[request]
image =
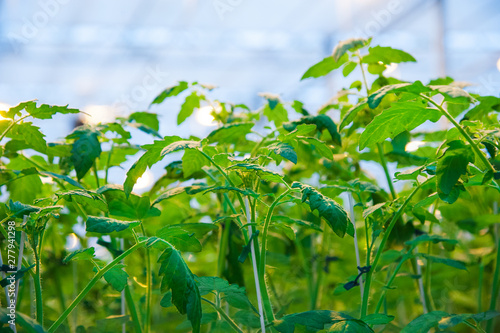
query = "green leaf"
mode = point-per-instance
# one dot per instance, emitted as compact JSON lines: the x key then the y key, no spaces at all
{"x":28,"y":324}
{"x":132,"y":207}
{"x":230,"y":133}
{"x":179,"y":145}
{"x":170,"y":91}
{"x":106,"y":225}
{"x":332,"y":212}
{"x":322,"y":122}
{"x":181,"y":239}
{"x":387,"y":55}
{"x":31,"y":135}
{"x":378,"y":319}
{"x":233,"y":294}
{"x":152,"y":155}
{"x":351,"y":114}
{"x":452,"y":165}
{"x":324,"y":67}
{"x":18,"y":209}
{"x":430,"y":238}
{"x":17,"y":276}
{"x":398,"y":118}
{"x":321,"y":147}
{"x":284,"y":150}
{"x":84,"y":197}
{"x":146,"y":118}
{"x":192,"y":102}
{"x":117,"y":277}
{"x":277,"y":115}
{"x":350,"y":326}
{"x":84,"y":254}
{"x":262,"y":172}
{"x":192,"y":161}
{"x":313,"y":321}
{"x":453,"y":92}
{"x":85,"y":149}
{"x":193,"y":189}
{"x":177,"y":277}
{"x":425,"y":322}
{"x":416,"y":88}
{"x":67,"y":179}
{"x":449,"y":262}
{"x":352,"y":45}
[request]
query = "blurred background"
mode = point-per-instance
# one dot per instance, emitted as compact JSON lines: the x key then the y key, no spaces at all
{"x":113,"y":57}
{"x":123,"y":53}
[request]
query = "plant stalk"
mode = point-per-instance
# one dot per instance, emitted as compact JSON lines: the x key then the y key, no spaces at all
{"x":147,"y":321}
{"x":366,"y":293}
{"x":132,"y":309}
{"x":255,"y":269}
{"x":496,"y":276}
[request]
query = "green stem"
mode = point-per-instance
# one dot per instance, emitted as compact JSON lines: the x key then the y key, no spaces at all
{"x":38,"y":290}
{"x":91,"y":284}
{"x":94,"y":167}
{"x":390,"y":281}
{"x":383,"y":162}
{"x":495,"y":287}
{"x":12,"y":125}
{"x":224,"y":315}
{"x":267,"y":223}
{"x":147,"y":320}
{"x":366,"y":293}
{"x":223,"y":244}
{"x":480,"y":288}
{"x":132,"y":309}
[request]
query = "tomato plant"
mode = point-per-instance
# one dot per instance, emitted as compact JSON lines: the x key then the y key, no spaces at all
{"x":274,"y":222}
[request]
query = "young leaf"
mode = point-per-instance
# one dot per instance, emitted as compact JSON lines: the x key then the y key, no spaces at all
{"x":416,"y":88}
{"x":231,"y":293}
{"x":170,"y":91}
{"x":84,"y":254}
{"x":332,"y":212}
{"x":449,"y":262}
{"x":86,"y":149}
{"x":398,"y":118}
{"x":152,"y":155}
{"x":177,"y":277}
{"x":313,"y":321}
{"x":84,"y":197}
{"x":230,"y":133}
{"x":106,"y":225}
{"x":322,"y":122}
{"x":284,"y":150}
{"x":324,"y":67}
{"x":180,"y":239}
{"x":452,"y":165}
{"x":146,"y":118}
{"x":179,"y":145}
{"x":348,"y":45}
{"x":192,"y":102}
{"x":387,"y":55}
{"x":263,"y":173}
{"x":117,"y":277}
